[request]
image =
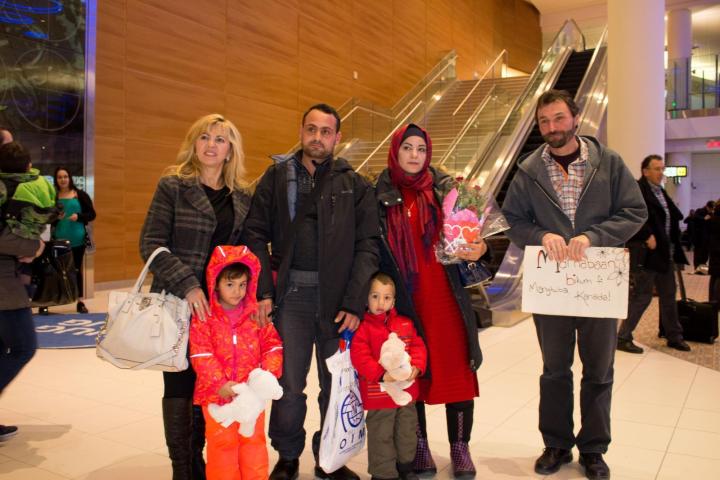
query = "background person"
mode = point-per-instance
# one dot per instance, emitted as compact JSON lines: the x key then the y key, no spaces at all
{"x":198,"y":204}
{"x":77,"y":212}
{"x":714,"y":262}
{"x":655,"y":250}
{"x":18,"y":340}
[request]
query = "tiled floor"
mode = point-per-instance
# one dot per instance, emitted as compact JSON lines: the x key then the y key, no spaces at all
{"x":81,"y":418}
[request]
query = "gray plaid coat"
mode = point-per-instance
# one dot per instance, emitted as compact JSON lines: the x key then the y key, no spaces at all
{"x":182,"y":219}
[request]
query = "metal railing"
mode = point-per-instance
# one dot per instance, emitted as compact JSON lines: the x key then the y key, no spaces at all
{"x":693,"y":83}
{"x":489,"y":73}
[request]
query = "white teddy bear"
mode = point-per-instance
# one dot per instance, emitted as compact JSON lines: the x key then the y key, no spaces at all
{"x":249,"y":402}
{"x":396,"y":361}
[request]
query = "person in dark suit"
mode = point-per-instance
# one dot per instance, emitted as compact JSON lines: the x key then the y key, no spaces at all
{"x":701,"y":221}
{"x":654,"y":252}
{"x":199,"y":203}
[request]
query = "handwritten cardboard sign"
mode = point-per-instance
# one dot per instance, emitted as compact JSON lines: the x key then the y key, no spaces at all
{"x":594,"y":287}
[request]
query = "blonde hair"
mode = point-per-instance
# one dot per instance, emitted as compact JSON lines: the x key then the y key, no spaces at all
{"x":188,"y":166}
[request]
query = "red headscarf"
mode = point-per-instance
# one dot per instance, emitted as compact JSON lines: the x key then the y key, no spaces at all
{"x":399,"y":232}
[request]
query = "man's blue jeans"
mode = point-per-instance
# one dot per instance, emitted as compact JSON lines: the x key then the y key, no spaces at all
{"x":18,"y":343}
{"x":301,"y":328}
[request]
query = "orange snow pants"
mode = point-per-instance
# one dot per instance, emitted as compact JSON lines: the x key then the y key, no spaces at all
{"x":230,"y":456}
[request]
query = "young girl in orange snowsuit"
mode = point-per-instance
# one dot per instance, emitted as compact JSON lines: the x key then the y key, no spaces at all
{"x":223,"y":351}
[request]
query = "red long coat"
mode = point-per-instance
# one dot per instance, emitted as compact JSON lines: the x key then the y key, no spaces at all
{"x":228,"y":347}
{"x":365,"y":352}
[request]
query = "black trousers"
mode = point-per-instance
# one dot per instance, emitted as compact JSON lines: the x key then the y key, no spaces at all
{"x":596,"y":341}
{"x":641,"y":289}
{"x":78,"y":255}
{"x":18,"y":343}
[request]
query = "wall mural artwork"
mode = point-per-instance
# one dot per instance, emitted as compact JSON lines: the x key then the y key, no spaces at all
{"x":42,"y":79}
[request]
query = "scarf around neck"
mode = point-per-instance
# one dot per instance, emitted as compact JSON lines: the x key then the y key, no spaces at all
{"x":399,"y":230}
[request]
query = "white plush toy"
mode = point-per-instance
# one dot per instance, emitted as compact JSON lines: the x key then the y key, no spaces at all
{"x":396,"y":361}
{"x":249,"y":402}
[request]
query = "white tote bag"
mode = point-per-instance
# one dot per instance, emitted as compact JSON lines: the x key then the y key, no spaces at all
{"x":145,"y":330}
{"x":343,"y":433}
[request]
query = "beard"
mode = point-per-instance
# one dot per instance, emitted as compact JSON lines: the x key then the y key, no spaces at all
{"x":559,"y":139}
{"x":317,"y":150}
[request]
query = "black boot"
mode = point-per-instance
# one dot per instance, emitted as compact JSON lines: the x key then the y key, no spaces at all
{"x":197,"y":443}
{"x":459,"y":421}
{"x":177,"y":419}
{"x":406,"y":471}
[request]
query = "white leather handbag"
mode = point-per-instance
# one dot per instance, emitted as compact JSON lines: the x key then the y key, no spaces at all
{"x":145,"y":330}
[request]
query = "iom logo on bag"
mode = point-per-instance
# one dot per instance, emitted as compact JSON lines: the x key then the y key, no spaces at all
{"x":351,"y":411}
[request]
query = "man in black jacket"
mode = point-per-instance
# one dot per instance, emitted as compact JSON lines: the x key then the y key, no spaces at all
{"x":320,"y":220}
{"x":654,"y":251}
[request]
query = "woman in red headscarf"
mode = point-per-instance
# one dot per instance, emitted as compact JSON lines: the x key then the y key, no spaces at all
{"x":410,"y":193}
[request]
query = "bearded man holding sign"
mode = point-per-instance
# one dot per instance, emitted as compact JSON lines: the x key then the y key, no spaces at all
{"x":569,"y":194}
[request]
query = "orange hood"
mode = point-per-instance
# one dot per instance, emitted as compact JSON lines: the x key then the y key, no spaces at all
{"x":225,"y":255}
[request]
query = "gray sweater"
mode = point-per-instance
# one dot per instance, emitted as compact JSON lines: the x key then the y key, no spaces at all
{"x":610,"y":208}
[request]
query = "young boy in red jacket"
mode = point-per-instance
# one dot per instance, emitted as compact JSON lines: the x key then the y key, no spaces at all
{"x":224,"y":349}
{"x":391,"y":429}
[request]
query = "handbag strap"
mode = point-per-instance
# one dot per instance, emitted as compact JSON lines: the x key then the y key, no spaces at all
{"x":140,"y":366}
{"x":146,"y":268}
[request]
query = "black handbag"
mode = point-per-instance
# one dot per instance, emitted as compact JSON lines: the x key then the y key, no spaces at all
{"x":54,"y":276}
{"x":473,"y":273}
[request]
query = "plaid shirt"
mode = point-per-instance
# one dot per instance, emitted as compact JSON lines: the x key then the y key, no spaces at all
{"x":568,"y":185}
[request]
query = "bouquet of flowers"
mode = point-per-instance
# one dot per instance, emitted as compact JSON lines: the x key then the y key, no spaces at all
{"x":468,"y":215}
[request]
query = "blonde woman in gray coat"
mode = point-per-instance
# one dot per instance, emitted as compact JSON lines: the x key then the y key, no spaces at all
{"x":199,"y":203}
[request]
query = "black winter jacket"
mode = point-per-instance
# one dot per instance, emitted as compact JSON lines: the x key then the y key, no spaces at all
{"x":388,"y":196}
{"x":713,"y":237}
{"x":348,"y":232}
{"x":657,"y":260}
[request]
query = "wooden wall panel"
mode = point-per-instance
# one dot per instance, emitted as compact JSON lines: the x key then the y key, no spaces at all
{"x":161,"y":65}
{"x":185,"y":43}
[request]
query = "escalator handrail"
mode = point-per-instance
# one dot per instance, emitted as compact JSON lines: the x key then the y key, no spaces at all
{"x":586,"y":85}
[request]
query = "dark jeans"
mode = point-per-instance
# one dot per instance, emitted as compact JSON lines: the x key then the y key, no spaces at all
{"x":641,"y":289}
{"x":18,"y":343}
{"x":596,"y":341}
{"x":300,"y":328}
{"x":701,"y":254}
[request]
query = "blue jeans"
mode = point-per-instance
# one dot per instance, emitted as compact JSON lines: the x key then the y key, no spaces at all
{"x":18,"y":343}
{"x":300,"y":327}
